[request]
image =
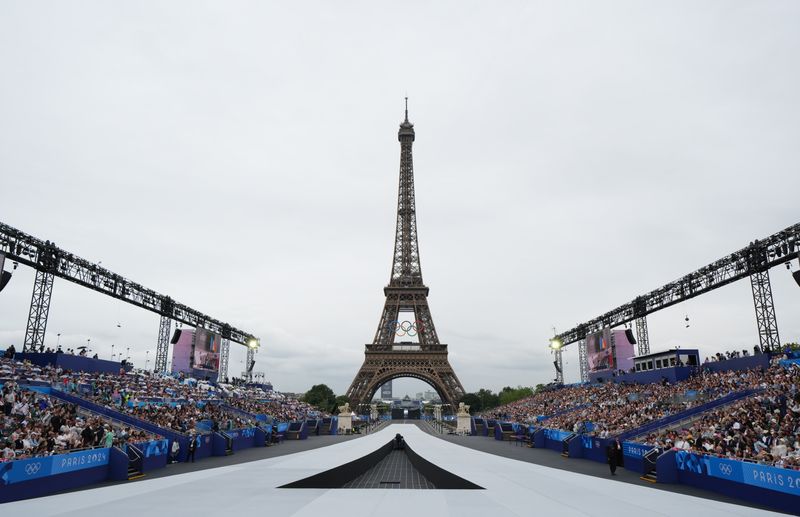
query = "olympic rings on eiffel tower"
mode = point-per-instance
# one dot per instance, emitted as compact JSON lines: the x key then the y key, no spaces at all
{"x":405,"y":328}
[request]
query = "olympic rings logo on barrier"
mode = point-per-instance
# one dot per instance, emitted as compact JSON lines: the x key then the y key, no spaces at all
{"x":32,"y":468}
{"x":405,"y":328}
{"x":725,"y":469}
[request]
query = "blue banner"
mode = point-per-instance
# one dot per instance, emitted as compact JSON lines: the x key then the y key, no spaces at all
{"x":25,"y":470}
{"x":556,"y":434}
{"x":771,"y":478}
{"x":691,"y":462}
{"x":635,"y":450}
{"x":153,"y":448}
{"x":762,"y":476}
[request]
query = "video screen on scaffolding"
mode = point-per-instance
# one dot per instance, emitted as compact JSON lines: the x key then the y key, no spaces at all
{"x":207,"y":346}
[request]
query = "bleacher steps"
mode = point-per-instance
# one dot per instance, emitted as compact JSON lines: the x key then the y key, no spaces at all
{"x":650,"y":477}
{"x":134,"y":474}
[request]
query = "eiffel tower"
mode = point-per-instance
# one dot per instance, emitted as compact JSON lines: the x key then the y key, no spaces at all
{"x":424,"y":357}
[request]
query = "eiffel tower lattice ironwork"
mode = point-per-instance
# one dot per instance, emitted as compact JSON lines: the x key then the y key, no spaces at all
{"x":425,"y":358}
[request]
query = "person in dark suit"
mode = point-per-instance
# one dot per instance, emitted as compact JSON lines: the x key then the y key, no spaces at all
{"x":612,"y":453}
{"x":192,"y":446}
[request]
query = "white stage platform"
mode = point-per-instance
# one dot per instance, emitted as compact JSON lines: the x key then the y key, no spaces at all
{"x":512,"y":488}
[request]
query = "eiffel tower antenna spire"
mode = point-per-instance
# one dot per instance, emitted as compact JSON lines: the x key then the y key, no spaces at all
{"x":406,"y":108}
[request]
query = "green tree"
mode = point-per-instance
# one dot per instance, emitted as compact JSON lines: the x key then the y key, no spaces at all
{"x":509,"y":394}
{"x":488,"y":399}
{"x":321,"y":396}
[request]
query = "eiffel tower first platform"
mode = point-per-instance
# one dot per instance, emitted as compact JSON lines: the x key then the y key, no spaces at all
{"x":406,"y":343}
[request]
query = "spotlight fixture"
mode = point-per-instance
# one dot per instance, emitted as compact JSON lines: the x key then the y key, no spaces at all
{"x":556,"y":343}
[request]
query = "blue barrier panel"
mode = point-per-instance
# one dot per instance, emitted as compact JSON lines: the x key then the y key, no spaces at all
{"x":242,"y":438}
{"x":594,"y":448}
{"x":260,"y":438}
{"x":205,"y":446}
{"x":154,"y":454}
{"x":335,"y":425}
{"x":75,"y":363}
{"x":667,"y":472}
{"x":767,"y":485}
{"x":633,"y":454}
{"x":21,"y":479}
{"x":575,"y":447}
{"x":539,"y":439}
{"x":738,"y":363}
{"x":554,"y":439}
{"x":117,"y":465}
{"x":219,"y":444}
{"x":21,"y":471}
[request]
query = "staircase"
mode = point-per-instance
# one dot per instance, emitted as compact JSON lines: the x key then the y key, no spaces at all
{"x":650,"y":475}
{"x":565,"y":445}
{"x":134,"y":463}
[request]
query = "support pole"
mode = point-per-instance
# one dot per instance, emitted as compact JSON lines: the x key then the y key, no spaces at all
{"x":251,"y":359}
{"x":583,"y":359}
{"x":224,"y":355}
{"x":559,"y":366}
{"x":642,"y":336}
{"x":40,"y":308}
{"x":765,"y":311}
{"x":162,"y":348}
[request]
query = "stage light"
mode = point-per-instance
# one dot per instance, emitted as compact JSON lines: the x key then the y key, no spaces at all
{"x":556,"y":343}
{"x":252,"y":343}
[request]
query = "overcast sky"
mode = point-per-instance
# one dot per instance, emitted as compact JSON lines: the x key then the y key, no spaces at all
{"x":242,"y":157}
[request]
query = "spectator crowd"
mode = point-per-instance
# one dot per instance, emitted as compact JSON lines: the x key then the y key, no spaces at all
{"x":764,"y":426}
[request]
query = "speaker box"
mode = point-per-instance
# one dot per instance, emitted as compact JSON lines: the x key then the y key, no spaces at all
{"x":555,"y":363}
{"x":796,"y":275}
{"x":176,"y":336}
{"x":5,"y":276}
{"x":629,"y":335}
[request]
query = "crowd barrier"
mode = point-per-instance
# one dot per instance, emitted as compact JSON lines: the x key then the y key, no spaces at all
{"x":71,"y":362}
{"x":37,"y":477}
{"x":762,"y":484}
{"x":672,"y":375}
{"x":738,"y":363}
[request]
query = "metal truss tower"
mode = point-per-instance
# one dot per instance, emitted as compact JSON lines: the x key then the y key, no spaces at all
{"x":251,"y":360}
{"x":40,"y":308}
{"x":224,"y":355}
{"x":765,"y":311}
{"x":162,"y":347}
{"x":583,"y":361}
{"x":425,"y":359}
{"x":642,"y":336}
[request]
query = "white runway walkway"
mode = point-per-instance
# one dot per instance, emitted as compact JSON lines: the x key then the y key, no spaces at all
{"x":513,"y":488}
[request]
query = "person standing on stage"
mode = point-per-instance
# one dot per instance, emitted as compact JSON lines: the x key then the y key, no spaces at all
{"x":192,"y":446}
{"x":612,"y":452}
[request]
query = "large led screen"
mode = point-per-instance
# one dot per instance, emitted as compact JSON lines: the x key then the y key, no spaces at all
{"x":599,"y":352}
{"x":207,"y":345}
{"x":182,"y":352}
{"x":623,"y":350}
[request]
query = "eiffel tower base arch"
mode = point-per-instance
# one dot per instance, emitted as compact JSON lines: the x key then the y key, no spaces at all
{"x":381,"y":366}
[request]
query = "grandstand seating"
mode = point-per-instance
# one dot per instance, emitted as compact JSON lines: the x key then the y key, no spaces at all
{"x":149,"y":419}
